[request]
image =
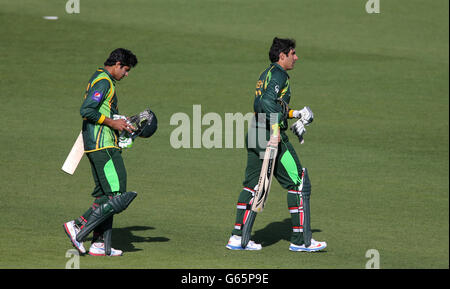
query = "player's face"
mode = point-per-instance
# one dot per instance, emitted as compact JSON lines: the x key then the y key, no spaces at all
{"x":290,"y":59}
{"x":120,"y":71}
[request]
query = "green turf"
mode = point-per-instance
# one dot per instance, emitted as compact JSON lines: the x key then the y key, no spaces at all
{"x":377,"y":151}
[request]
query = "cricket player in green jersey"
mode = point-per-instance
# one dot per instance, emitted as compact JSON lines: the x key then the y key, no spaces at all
{"x":100,"y":131}
{"x":273,"y":94}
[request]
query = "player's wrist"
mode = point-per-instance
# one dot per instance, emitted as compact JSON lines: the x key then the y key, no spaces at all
{"x":106,"y":120}
{"x":295,"y":114}
{"x":291,"y":113}
{"x":101,"y":119}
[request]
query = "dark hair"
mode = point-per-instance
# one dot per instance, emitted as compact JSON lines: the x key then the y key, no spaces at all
{"x":280,"y":45}
{"x":122,"y":55}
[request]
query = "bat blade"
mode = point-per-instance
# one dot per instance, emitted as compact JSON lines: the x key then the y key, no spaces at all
{"x":74,"y":157}
{"x":265,"y":179}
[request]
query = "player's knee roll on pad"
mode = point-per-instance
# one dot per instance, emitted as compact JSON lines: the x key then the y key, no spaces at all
{"x":114,"y":206}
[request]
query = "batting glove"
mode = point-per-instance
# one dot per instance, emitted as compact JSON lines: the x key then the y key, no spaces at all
{"x":125,"y":141}
{"x":305,"y":115}
{"x":299,"y":130}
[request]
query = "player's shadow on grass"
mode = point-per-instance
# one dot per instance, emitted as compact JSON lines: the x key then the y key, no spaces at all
{"x":124,"y":239}
{"x":275,"y":232}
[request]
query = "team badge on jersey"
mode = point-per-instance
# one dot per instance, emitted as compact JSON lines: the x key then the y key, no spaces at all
{"x":97,"y":96}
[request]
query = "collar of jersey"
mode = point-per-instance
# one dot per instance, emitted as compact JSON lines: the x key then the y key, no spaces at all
{"x":107,"y":73}
{"x":280,"y":68}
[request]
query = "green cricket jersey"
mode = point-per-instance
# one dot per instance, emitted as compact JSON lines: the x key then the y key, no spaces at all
{"x":272,"y":84}
{"x":100,"y":101}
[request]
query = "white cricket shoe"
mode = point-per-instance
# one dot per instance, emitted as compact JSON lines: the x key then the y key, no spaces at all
{"x":235,"y":244}
{"x":72,"y":230}
{"x":98,"y":249}
{"x":314,"y":247}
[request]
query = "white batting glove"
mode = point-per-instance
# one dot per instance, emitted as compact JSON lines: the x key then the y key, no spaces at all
{"x":305,"y":115}
{"x":118,"y":116}
{"x":125,"y":141}
{"x":299,"y":130}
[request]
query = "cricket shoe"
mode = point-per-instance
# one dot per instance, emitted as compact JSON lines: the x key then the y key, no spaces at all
{"x":98,"y":249}
{"x":72,"y":230}
{"x":314,"y":247}
{"x":235,"y":244}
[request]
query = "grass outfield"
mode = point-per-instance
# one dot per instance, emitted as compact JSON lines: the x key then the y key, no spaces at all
{"x":377,"y":151}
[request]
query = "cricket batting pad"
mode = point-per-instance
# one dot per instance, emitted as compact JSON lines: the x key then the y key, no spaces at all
{"x":306,"y":194}
{"x":114,"y":206}
{"x":247,"y":228}
{"x":299,"y":208}
{"x":107,"y":234}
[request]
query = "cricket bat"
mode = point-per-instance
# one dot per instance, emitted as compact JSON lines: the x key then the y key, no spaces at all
{"x":75,"y":155}
{"x":265,"y":179}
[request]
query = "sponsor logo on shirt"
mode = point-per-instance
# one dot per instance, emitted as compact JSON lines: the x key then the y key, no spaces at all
{"x":97,"y":96}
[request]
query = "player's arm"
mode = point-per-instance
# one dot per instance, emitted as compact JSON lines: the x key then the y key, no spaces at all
{"x":92,"y":102}
{"x":93,"y":99}
{"x":273,"y":109}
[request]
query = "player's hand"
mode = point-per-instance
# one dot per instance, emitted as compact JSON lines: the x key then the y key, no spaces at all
{"x":274,"y":140}
{"x":119,"y":123}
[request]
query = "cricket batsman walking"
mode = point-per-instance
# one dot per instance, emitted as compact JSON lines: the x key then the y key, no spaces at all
{"x":271,"y":112}
{"x":102,"y":146}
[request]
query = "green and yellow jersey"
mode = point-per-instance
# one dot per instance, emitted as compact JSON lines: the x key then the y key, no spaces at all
{"x":100,"y":101}
{"x":272,"y":84}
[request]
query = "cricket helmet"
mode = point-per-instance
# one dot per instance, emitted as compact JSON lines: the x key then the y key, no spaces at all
{"x":150,"y":126}
{"x":145,"y":122}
